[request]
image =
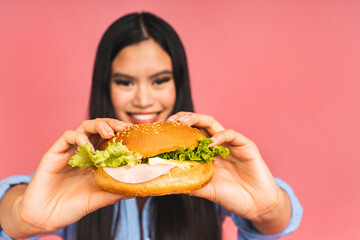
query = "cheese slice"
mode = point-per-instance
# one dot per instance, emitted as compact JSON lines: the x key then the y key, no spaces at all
{"x":180,"y":164}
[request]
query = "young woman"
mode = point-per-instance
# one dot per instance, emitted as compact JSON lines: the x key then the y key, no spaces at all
{"x":140,"y":75}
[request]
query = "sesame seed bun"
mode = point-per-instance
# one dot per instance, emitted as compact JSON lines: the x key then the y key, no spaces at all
{"x":151,"y":139}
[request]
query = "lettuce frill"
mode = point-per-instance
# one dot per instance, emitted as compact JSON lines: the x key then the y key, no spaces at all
{"x":202,"y":153}
{"x":117,"y":155}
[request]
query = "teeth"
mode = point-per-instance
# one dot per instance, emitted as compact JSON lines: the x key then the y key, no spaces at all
{"x":143,"y":116}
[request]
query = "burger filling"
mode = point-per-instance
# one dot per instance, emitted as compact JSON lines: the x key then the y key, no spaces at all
{"x":125,"y":166}
{"x":117,"y":155}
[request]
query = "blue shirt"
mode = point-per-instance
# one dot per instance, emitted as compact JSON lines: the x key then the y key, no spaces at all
{"x":128,"y":227}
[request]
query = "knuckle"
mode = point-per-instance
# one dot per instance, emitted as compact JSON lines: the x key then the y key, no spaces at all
{"x":212,"y":122}
{"x":113,"y":121}
{"x":70,"y":134}
{"x":84,"y":123}
{"x":98,"y":127}
{"x":252,"y":144}
{"x":181,"y":113}
{"x":104,"y":119}
{"x":230,"y":131}
{"x":67,"y":133}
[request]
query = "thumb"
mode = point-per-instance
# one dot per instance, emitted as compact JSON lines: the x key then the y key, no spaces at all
{"x":207,"y":192}
{"x":102,"y":199}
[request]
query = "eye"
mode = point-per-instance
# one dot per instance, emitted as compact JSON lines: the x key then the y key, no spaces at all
{"x":125,"y":83}
{"x":161,"y":80}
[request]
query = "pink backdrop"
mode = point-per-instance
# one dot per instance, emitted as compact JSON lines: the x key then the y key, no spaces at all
{"x":284,"y":73}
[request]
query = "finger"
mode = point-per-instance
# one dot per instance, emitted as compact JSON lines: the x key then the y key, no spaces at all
{"x":205,"y":122}
{"x":208,"y":192}
{"x":117,"y":125}
{"x":105,"y":127}
{"x":229,"y":136}
{"x":176,"y":115}
{"x":101,"y":199}
{"x":67,"y":140}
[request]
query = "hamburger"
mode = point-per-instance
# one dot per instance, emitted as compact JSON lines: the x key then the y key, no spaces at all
{"x":152,"y":159}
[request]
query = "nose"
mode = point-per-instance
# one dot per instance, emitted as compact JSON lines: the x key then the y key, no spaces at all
{"x":143,"y":97}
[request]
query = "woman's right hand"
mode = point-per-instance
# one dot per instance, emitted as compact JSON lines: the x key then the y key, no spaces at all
{"x":59,"y":194}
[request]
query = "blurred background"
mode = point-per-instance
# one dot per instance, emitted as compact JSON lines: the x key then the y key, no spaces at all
{"x":284,"y":73}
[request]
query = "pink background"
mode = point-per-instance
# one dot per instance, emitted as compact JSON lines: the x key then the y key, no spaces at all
{"x":284,"y":73}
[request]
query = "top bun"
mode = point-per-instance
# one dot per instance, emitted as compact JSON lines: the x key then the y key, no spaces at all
{"x":150,"y":139}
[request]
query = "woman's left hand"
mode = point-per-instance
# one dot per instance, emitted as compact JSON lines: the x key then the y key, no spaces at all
{"x":242,"y":183}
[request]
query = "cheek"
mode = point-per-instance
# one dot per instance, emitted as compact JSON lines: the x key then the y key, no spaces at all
{"x":118,"y":100}
{"x":168,"y":98}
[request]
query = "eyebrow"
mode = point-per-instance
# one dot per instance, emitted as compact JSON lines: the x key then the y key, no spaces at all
{"x":121,"y":75}
{"x":160,"y":73}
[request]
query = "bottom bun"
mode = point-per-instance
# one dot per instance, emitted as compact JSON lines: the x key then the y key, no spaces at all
{"x":177,"y":180}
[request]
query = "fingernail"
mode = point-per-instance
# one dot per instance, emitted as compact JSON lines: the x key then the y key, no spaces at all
{"x":109,"y":130}
{"x":171,"y":118}
{"x":214,"y":139}
{"x":184,"y":118}
{"x":82,"y":142}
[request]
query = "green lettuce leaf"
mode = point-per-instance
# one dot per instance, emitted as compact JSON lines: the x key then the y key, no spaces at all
{"x":115,"y":155}
{"x":202,"y":153}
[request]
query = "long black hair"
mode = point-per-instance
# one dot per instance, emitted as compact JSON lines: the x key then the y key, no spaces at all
{"x":174,"y":216}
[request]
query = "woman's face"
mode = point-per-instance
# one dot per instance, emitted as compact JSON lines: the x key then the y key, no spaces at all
{"x":142,"y":85}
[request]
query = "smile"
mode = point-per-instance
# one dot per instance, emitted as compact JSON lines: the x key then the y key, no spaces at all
{"x":139,"y":118}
